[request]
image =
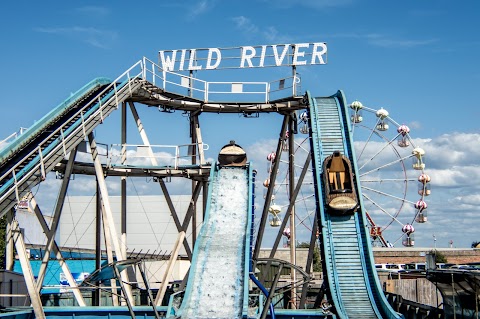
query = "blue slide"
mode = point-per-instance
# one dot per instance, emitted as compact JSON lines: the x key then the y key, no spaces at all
{"x":353,"y":285}
{"x":218,"y":279}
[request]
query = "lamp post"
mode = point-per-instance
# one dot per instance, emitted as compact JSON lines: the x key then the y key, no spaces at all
{"x":434,"y":242}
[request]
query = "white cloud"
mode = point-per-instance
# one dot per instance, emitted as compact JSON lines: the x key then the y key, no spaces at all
{"x":90,"y":35}
{"x":385,"y":41}
{"x":200,"y":8}
{"x":452,"y":205}
{"x":245,"y":25}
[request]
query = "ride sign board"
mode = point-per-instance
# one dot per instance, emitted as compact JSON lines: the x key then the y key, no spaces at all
{"x":244,"y":57}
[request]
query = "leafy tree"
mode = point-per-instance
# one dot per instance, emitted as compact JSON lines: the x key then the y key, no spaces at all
{"x":439,"y":256}
{"x":317,"y":264}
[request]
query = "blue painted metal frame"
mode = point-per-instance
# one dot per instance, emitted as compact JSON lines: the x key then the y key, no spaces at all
{"x":248,"y":233}
{"x":375,"y":294}
{"x":315,"y":146}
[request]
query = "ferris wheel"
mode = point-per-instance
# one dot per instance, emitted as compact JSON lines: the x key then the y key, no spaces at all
{"x":391,"y":170}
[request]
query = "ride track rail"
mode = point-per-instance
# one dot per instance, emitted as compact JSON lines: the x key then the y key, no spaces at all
{"x":27,"y":160}
{"x":348,"y":259}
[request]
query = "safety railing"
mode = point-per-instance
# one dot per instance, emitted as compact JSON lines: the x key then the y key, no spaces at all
{"x":219,"y":92}
{"x":171,"y":156}
{"x":11,"y":137}
{"x":74,"y":125}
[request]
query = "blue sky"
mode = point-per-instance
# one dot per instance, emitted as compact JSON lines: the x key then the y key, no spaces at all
{"x":418,"y":59}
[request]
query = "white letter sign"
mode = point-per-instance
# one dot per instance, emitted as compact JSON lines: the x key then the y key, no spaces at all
{"x":258,"y":56}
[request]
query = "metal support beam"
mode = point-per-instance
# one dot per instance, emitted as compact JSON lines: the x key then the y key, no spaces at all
{"x":175,"y":217}
{"x":52,"y":230}
{"x":272,"y":292}
{"x":98,"y":245}
{"x":141,"y":269}
{"x":309,"y":263}
{"x":124,"y":291}
{"x":191,"y":207}
{"x":273,"y":176}
{"x":108,"y":216}
{"x":169,"y":270}
{"x":58,"y":254}
{"x":123,"y":179}
{"x":108,"y":247}
{"x":293,"y":197}
{"x":193,"y":136}
{"x":143,"y":133}
{"x":9,"y":244}
{"x":27,"y":271}
{"x":198,"y":138}
{"x":290,"y":206}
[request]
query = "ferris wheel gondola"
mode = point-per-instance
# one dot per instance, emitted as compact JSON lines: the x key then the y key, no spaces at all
{"x":389,"y":193}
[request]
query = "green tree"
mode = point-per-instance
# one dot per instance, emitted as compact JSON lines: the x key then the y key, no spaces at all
{"x":439,"y":256}
{"x":317,"y":263}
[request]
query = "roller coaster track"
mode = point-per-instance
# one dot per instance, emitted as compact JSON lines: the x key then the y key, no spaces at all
{"x":218,"y":279}
{"x":348,"y":259}
{"x":27,"y":160}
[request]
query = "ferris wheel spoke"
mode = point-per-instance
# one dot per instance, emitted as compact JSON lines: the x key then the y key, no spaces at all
{"x":394,"y":218}
{"x":399,"y":160}
{"x":359,"y":156}
{"x":395,"y":180}
{"x":302,"y":221}
{"x":403,"y":200}
{"x":379,"y":151}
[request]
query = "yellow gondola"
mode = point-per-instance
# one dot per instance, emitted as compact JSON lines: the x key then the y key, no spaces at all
{"x":341,"y":196}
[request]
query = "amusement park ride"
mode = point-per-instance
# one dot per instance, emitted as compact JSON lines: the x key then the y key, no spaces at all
{"x":338,"y":178}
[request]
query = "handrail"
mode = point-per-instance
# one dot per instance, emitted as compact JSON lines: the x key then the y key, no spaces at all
{"x":170,"y":155}
{"x":111,"y":91}
{"x":202,"y":90}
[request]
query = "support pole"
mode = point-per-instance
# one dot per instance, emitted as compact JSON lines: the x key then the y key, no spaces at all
{"x":193,"y":135}
{"x":271,"y":294}
{"x":291,"y":187}
{"x":141,"y":269}
{"x":108,"y":247}
{"x":175,"y":217}
{"x":124,"y":291}
{"x":27,"y":271}
{"x":123,"y":179}
{"x":290,"y":206}
{"x":268,"y":197}
{"x":58,"y":254}
{"x":169,"y":270}
{"x":98,"y":245}
{"x":309,"y":263}
{"x":108,"y":216}
{"x":9,"y":244}
{"x":50,"y":232}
